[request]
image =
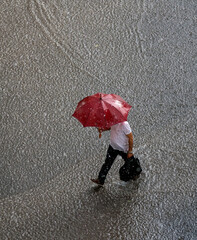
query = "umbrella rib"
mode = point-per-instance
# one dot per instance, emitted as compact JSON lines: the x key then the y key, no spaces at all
{"x":93,"y":110}
{"x":114,"y":108}
{"x":102,"y":103}
{"x":87,"y":118}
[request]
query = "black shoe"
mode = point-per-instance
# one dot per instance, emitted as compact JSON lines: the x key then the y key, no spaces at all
{"x":97,"y":182}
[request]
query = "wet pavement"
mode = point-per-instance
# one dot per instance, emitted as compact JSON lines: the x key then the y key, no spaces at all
{"x":53,"y":54}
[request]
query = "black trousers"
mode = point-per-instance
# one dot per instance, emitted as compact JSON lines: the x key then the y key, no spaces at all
{"x":111,"y":156}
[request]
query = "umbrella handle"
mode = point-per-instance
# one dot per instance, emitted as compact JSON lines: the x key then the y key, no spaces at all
{"x":100,"y":131}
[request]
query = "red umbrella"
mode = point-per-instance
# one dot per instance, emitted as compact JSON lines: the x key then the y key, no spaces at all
{"x":102,"y":110}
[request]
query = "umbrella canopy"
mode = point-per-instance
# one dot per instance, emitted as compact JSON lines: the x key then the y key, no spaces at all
{"x":102,"y":110}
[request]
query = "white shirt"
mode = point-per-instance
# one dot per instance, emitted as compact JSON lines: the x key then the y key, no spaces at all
{"x":118,"y":138}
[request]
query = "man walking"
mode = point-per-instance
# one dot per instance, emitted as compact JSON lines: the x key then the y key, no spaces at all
{"x":121,"y":143}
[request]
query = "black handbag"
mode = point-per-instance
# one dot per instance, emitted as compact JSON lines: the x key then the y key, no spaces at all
{"x":130,"y":170}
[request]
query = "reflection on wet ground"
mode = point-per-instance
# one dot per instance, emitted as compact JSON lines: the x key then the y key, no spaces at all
{"x":54,"y":53}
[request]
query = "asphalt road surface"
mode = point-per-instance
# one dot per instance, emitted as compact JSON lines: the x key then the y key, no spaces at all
{"x":53,"y":54}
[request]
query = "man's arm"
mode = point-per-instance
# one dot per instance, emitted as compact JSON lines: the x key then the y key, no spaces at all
{"x":100,"y":130}
{"x":103,"y":129}
{"x":130,"y":137}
